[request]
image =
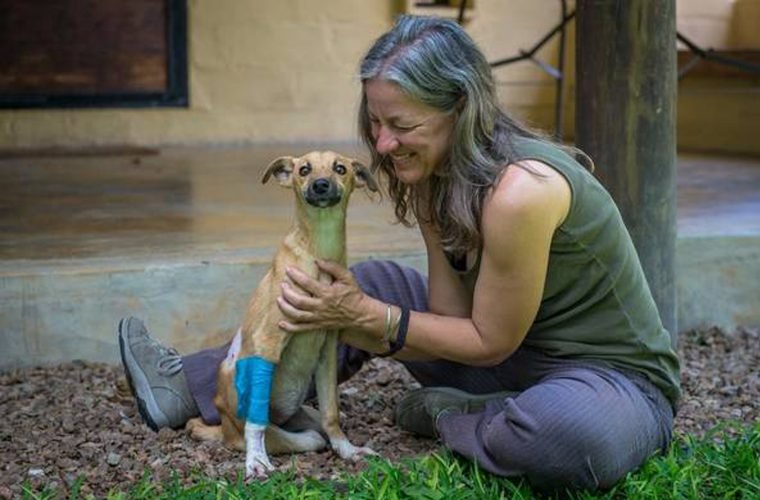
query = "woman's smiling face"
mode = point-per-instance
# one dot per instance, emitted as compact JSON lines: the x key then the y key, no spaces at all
{"x":416,"y":137}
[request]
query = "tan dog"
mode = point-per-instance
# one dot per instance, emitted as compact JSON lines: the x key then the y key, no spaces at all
{"x":322,"y":183}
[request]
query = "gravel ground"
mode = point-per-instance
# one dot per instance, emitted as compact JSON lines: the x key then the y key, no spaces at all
{"x":77,"y":419}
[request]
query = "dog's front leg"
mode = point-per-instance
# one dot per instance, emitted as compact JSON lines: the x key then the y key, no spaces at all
{"x":257,"y":462}
{"x":253,"y":382}
{"x":326,"y":378}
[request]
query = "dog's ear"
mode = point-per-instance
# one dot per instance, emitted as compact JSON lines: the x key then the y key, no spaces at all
{"x":234,"y":350}
{"x":364,"y":177}
{"x":282,"y":169}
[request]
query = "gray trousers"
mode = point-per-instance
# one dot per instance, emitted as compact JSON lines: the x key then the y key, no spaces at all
{"x":576,"y":424}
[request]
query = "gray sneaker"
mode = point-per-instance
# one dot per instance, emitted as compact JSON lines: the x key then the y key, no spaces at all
{"x":155,"y":375}
{"x":419,"y":410}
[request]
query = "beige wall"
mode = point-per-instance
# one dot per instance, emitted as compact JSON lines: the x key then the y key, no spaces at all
{"x":264,"y":71}
{"x":284,"y":71}
{"x":721,"y":24}
{"x":259,"y":71}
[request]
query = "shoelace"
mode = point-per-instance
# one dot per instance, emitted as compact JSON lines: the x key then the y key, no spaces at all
{"x":170,"y":362}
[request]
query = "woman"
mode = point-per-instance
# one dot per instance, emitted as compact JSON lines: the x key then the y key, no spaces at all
{"x":536,"y":338}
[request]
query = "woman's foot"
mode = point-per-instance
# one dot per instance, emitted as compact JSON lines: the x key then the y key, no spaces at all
{"x":155,"y":375}
{"x":419,"y":410}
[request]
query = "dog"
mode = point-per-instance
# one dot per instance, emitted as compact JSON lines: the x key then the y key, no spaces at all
{"x":322,"y":182}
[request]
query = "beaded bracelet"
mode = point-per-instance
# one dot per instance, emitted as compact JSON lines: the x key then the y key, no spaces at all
{"x":403,"y":326}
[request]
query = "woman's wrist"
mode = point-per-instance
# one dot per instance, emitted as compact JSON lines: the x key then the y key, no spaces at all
{"x":392,"y":320}
{"x":397,"y":330}
{"x":372,"y":320}
{"x":385,"y":324}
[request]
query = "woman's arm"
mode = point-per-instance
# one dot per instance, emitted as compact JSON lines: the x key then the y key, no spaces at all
{"x":518,"y":223}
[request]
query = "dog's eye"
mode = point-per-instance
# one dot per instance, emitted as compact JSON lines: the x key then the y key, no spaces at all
{"x":339,"y":169}
{"x":304,"y":170}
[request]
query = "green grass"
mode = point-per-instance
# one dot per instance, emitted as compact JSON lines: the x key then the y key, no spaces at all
{"x":723,"y":464}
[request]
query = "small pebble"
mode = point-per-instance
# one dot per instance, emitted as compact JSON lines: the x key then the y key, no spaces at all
{"x":70,"y":479}
{"x":113,"y":459}
{"x":165,"y":434}
{"x":36,"y":472}
{"x":68,"y":425}
{"x":349,"y":391}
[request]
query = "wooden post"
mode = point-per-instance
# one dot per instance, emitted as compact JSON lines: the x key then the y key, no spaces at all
{"x":625,"y":120}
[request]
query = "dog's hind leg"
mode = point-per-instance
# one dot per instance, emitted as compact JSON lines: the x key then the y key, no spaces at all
{"x":280,"y":441}
{"x":306,"y":418}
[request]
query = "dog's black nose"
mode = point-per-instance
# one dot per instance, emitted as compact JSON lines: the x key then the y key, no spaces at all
{"x":323,"y":193}
{"x":320,"y":186}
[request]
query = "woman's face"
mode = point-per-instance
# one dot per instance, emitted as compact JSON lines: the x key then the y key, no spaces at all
{"x":415,"y":136}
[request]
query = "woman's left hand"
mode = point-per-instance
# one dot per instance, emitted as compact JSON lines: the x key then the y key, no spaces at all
{"x":309,"y":304}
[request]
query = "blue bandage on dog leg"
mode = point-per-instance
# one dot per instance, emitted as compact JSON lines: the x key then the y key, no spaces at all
{"x":253,"y":381}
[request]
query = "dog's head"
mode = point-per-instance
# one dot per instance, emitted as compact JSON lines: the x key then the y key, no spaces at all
{"x":321,"y":178}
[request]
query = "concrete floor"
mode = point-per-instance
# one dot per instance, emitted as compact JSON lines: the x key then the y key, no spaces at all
{"x":180,"y":238}
{"x":718,"y":196}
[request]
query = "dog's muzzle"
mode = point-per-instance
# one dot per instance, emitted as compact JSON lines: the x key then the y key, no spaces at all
{"x":323,"y":193}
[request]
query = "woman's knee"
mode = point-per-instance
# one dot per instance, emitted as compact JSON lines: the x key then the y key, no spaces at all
{"x":558,"y":454}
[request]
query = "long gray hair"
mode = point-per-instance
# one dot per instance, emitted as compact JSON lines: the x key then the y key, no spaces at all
{"x":435,"y":62}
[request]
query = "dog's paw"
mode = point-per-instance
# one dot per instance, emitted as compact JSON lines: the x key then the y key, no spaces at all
{"x":361,"y":452}
{"x":257,"y":464}
{"x":348,"y":451}
{"x":257,"y":467}
{"x":200,"y":431}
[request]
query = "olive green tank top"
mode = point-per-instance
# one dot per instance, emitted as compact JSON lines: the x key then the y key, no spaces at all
{"x":596,"y":303}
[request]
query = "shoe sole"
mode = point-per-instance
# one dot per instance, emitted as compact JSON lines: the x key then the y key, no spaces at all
{"x":146,"y":403}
